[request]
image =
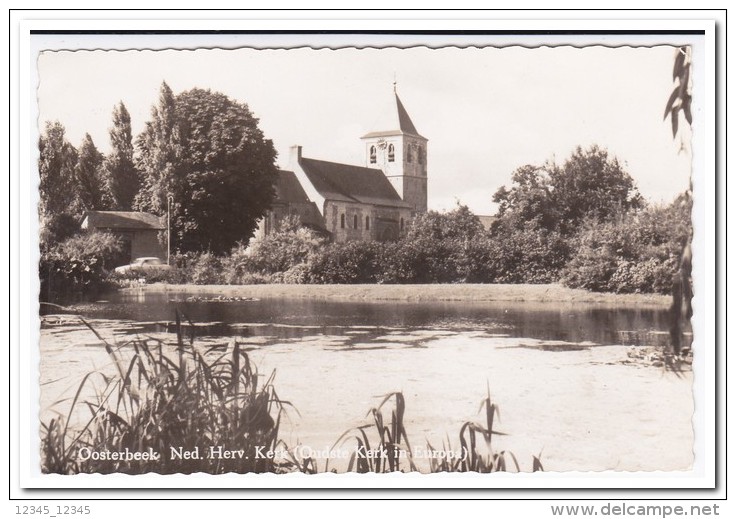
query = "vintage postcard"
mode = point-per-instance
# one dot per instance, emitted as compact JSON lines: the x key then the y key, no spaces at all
{"x":288,"y":259}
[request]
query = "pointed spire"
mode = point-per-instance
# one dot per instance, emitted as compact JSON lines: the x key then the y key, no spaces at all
{"x":405,"y":124}
{"x":393,"y":119}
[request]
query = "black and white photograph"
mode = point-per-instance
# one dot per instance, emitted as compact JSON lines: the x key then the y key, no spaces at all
{"x":337,"y":254}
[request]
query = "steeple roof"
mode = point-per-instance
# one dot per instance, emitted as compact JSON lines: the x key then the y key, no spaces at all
{"x":405,"y":124}
{"x":395,"y":122}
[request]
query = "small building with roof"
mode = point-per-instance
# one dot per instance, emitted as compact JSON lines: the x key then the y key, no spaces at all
{"x":143,"y":234}
{"x":371,"y":202}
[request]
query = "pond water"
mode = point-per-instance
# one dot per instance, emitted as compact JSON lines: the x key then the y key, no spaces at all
{"x":598,"y":323}
{"x":561,"y":374}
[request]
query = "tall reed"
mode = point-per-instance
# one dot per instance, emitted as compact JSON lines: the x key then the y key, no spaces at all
{"x":204,"y":404}
{"x":390,"y":450}
{"x":381,"y":446}
{"x":477,"y":453}
{"x":206,"y":412}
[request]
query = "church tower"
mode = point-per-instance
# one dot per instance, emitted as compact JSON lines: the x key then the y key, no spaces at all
{"x":401,"y":153}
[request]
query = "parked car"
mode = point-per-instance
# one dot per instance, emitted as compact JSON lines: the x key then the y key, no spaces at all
{"x":143,"y":264}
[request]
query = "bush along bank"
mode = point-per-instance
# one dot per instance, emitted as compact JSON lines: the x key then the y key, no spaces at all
{"x":78,"y":266}
{"x":581,"y":222}
{"x":635,"y":252}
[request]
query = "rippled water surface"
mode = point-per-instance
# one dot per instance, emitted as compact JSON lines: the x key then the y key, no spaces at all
{"x":561,"y":374}
{"x":590,"y":322}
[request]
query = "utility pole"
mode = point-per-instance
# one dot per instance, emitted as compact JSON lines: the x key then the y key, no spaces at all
{"x":168,"y":229}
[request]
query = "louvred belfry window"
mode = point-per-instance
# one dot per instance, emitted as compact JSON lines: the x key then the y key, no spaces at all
{"x":373,"y":155}
{"x":391,"y":153}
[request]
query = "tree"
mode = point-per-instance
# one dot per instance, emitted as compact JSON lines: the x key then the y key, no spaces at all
{"x":545,"y":208}
{"x":437,"y":247}
{"x":589,"y":184}
{"x":56,"y":162}
{"x":88,"y":175}
{"x":206,"y":152}
{"x":529,"y":200}
{"x":121,"y":175}
{"x":159,"y":152}
{"x":459,"y":224}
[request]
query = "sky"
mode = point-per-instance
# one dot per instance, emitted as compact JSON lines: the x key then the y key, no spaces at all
{"x":486,"y":111}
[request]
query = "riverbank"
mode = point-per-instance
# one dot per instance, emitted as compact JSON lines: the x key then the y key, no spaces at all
{"x":550,"y":293}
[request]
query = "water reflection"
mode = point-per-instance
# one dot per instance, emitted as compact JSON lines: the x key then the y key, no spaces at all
{"x":293,"y":318}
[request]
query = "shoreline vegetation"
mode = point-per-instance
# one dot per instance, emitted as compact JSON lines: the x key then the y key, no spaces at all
{"x":461,"y":292}
{"x":619,"y":244}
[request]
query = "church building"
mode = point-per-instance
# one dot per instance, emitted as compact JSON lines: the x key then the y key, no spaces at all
{"x":373,"y":202}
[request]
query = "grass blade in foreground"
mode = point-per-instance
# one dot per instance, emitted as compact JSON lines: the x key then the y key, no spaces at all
{"x":189,"y":409}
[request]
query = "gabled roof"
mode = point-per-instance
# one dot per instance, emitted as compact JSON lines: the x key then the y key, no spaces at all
{"x":122,"y":220}
{"x":347,"y":183}
{"x":486,"y":221}
{"x":397,"y":123}
{"x":290,"y":192}
{"x":309,"y":216}
{"x":288,"y":189}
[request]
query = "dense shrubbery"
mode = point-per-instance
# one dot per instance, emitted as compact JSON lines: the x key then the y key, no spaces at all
{"x":289,"y":246}
{"x":473,"y":256}
{"x":347,"y":263}
{"x":581,"y":222}
{"x":541,"y":214}
{"x":78,"y":265}
{"x":282,"y":257}
{"x":529,"y":254}
{"x":584,"y":223}
{"x":438,"y":248}
{"x":638,"y":252}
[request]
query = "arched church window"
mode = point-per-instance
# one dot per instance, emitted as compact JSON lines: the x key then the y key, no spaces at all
{"x":367,"y":223}
{"x":420,"y":155}
{"x":373,"y":155}
{"x":355,"y":221}
{"x":391,"y":153}
{"x":409,"y":154}
{"x":342,"y":221}
{"x":401,"y":224}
